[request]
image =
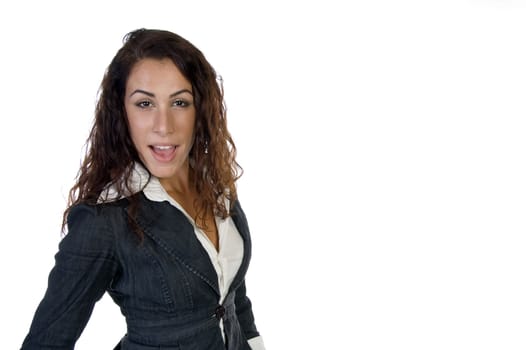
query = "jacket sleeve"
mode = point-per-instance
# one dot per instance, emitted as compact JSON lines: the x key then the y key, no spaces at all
{"x":84,"y":268}
{"x":246,"y":318}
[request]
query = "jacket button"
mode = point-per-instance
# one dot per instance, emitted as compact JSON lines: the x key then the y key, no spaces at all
{"x":220,"y":312}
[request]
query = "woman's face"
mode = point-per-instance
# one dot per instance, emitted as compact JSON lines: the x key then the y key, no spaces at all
{"x":160,"y":108}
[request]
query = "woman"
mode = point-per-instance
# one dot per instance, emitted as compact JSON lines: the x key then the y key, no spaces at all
{"x":153,"y":217}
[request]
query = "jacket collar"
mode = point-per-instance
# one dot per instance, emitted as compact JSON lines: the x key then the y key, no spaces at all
{"x":162,"y":218}
{"x":164,"y":224}
{"x":161,"y":222}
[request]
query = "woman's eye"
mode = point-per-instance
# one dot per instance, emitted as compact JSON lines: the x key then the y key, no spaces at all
{"x":144,"y":104}
{"x":180,"y":103}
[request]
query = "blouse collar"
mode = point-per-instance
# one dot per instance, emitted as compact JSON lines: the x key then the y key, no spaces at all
{"x":139,"y":180}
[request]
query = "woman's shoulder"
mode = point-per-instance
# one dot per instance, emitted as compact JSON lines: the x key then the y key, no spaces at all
{"x":87,"y":213}
{"x":96,"y":224}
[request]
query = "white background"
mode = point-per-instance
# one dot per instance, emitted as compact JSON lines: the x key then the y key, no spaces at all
{"x":383,"y":144}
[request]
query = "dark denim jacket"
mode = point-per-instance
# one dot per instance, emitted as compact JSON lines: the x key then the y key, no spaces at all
{"x":165,"y":285}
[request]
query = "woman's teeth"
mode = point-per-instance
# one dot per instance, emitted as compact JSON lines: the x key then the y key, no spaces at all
{"x":163,"y":148}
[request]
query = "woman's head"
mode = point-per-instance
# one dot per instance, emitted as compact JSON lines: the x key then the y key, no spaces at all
{"x":162,"y":45}
{"x":112,"y":150}
{"x":160,"y":109}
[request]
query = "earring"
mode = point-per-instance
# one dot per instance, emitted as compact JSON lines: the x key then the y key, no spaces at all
{"x":206,"y":147}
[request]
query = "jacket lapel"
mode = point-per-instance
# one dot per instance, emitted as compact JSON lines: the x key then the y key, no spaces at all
{"x":238,"y":216}
{"x":170,"y":229}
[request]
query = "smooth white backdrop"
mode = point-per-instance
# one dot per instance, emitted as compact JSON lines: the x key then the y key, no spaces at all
{"x":383,"y":144}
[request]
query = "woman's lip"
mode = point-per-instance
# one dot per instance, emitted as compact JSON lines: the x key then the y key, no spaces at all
{"x":163,"y":153}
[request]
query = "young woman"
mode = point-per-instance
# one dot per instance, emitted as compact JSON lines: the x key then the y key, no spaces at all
{"x":153,"y":217}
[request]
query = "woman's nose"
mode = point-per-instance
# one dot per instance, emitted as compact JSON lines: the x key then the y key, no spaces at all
{"x":163,"y":123}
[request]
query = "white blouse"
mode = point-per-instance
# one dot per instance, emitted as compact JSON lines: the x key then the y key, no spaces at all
{"x":226,"y":261}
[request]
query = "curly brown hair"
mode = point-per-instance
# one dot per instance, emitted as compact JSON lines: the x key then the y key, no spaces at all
{"x":110,"y":152}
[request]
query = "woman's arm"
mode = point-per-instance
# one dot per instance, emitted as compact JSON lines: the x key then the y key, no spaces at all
{"x":84,"y":267}
{"x":245,"y":317}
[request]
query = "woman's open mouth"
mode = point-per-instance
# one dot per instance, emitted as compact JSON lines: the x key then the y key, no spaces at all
{"x":163,"y":153}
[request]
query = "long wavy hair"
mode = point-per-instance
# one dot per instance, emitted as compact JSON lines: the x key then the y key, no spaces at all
{"x":110,"y":153}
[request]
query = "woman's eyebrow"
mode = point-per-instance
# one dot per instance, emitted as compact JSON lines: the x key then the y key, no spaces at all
{"x":182,"y":91}
{"x":153,"y":95}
